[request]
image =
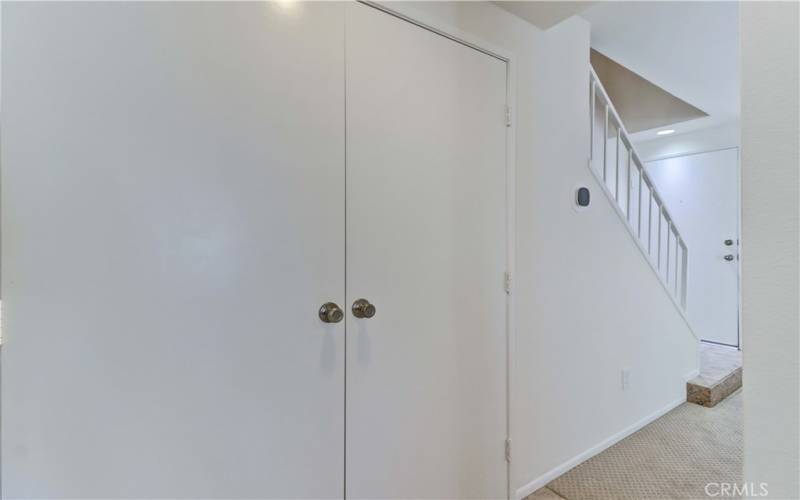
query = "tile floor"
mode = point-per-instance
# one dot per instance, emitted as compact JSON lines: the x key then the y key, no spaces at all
{"x":720,"y":375}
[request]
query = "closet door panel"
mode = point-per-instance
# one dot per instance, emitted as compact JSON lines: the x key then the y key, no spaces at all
{"x":426,"y":244}
{"x":173,"y":218}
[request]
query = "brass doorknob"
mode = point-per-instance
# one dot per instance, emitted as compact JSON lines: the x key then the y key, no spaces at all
{"x":363,"y":309}
{"x":330,"y":313}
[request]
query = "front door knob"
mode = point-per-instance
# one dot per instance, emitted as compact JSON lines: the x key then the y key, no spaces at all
{"x":729,"y":257}
{"x":330,"y":313}
{"x":363,"y":309}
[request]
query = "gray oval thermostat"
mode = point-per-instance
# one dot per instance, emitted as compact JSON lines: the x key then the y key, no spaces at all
{"x":582,"y":197}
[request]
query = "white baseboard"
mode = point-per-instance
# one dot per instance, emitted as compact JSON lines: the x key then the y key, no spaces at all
{"x":586,"y":455}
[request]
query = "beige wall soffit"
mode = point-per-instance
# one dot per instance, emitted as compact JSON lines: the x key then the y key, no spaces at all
{"x":641,"y":104}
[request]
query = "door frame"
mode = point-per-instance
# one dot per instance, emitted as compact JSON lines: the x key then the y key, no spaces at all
{"x":426,"y":21}
{"x":738,"y":229}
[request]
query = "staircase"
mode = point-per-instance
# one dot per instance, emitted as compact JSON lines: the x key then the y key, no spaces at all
{"x":615,"y":163}
{"x":720,"y":375}
{"x":617,"y":167}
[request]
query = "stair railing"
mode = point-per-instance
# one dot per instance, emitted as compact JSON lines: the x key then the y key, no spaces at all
{"x":618,"y":168}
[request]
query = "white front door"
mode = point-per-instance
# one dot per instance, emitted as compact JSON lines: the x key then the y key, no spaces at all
{"x":426,"y":244}
{"x":174,"y":220}
{"x":702,"y":194}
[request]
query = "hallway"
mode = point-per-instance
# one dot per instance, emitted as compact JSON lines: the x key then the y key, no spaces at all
{"x":402,"y":250}
{"x":674,"y":457}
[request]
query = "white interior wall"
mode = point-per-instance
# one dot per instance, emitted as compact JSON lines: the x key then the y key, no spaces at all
{"x":587,"y":302}
{"x":771,"y":245}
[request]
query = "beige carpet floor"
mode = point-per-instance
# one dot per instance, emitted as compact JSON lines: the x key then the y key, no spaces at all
{"x":672,"y":458}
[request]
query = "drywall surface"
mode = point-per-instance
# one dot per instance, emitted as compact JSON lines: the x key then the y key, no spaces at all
{"x":640,"y":103}
{"x":587,"y":303}
{"x":771,"y":245}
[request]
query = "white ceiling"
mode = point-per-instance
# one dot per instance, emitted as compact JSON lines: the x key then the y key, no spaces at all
{"x":544,"y":14}
{"x":690,"y":49}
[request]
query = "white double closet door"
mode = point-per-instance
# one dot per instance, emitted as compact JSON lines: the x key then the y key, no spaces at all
{"x":204,"y":189}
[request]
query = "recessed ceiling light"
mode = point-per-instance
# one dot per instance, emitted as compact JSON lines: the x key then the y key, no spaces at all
{"x":666,"y":132}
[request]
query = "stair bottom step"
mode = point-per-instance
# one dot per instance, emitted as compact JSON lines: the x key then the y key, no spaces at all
{"x":698,"y":391}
